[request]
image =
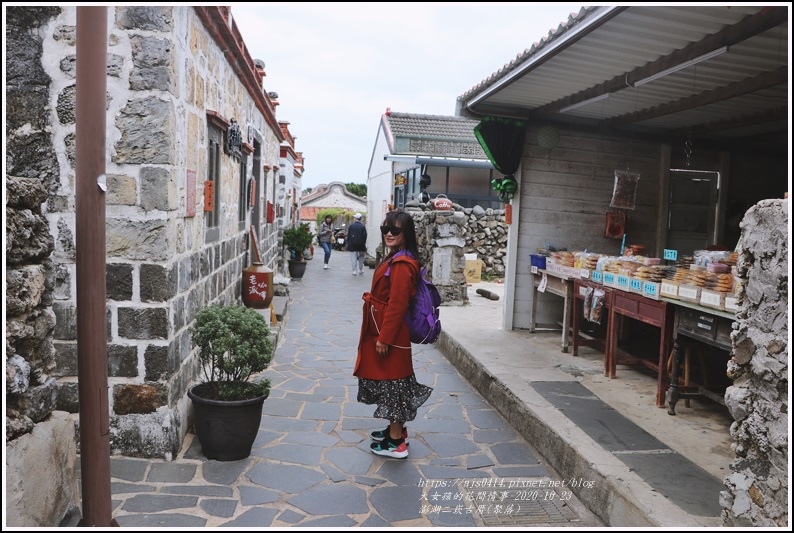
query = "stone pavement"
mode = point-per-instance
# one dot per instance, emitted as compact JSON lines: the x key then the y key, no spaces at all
{"x":516,"y":433}
{"x":311,"y":465}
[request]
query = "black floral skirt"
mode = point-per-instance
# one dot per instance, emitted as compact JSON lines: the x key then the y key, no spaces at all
{"x":397,"y":399}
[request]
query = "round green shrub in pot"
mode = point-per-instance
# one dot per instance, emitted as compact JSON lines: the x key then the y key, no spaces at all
{"x":233,"y":346}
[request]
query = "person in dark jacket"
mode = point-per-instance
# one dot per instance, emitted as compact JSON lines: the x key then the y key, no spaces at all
{"x":384,"y":366}
{"x":357,"y":244}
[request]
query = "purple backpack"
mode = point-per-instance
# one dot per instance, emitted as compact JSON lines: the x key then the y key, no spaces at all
{"x":423,"y":313}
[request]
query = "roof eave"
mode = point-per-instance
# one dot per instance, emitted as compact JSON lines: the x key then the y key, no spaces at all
{"x":581,"y":28}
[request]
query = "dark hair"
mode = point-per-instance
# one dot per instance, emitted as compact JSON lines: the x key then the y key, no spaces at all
{"x":401,"y":218}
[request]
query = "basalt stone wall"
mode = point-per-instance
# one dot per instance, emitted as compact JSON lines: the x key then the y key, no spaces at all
{"x":165,"y":71}
{"x":445,"y":236}
{"x":758,"y":486}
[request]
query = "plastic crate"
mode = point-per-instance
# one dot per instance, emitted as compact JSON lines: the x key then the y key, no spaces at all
{"x":539,"y":261}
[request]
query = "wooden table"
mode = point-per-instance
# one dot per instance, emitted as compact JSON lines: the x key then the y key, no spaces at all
{"x":653,"y":312}
{"x":702,"y":324}
{"x":579,"y":288}
{"x":560,"y":285}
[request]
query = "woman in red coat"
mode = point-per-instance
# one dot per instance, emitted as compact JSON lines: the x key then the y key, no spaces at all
{"x":384,"y":366}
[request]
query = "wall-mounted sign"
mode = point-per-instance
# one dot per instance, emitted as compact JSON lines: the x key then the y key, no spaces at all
{"x":400,"y":179}
{"x":251,"y":193}
{"x":209,"y":195}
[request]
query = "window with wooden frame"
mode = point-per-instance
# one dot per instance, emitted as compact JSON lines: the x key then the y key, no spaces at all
{"x":212,"y":185}
{"x":242,"y":203}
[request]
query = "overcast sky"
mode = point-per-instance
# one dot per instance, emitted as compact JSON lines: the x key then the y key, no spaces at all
{"x":337,"y":66}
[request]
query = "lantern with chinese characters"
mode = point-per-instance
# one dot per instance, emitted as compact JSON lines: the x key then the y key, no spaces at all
{"x":257,"y":286}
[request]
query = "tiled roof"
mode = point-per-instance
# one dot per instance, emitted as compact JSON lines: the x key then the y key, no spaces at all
{"x":432,"y":127}
{"x":554,"y":33}
{"x":310,"y":212}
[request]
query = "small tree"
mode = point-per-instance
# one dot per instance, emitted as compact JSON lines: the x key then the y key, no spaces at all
{"x":297,"y":239}
{"x":234,"y":344}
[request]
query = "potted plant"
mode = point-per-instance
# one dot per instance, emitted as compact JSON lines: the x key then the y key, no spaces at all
{"x":297,"y":239}
{"x":234,"y":346}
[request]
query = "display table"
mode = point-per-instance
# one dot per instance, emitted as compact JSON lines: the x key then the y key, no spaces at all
{"x":652,"y":312}
{"x":579,"y":288}
{"x":696,"y":323}
{"x":560,"y":285}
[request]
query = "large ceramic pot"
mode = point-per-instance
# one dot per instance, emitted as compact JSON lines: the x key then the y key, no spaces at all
{"x":257,"y":286}
{"x":296,"y":268}
{"x":226,"y":429}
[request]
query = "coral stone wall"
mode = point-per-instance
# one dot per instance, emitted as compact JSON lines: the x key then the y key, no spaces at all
{"x":445,"y":236}
{"x":758,"y":487}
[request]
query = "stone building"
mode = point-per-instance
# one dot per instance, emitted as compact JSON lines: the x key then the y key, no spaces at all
{"x":186,"y":111}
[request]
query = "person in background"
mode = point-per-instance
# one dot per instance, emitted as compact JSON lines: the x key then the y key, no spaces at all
{"x":326,"y":238}
{"x":384,"y":365}
{"x":357,"y":244}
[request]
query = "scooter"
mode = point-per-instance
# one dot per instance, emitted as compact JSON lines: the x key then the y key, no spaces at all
{"x":339,"y":239}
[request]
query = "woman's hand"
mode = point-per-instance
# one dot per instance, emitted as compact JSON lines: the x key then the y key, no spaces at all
{"x":382,"y":349}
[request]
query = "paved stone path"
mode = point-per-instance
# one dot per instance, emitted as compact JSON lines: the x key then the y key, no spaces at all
{"x":311,"y":465}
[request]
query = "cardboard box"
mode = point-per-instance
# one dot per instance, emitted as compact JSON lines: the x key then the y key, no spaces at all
{"x":669,"y":289}
{"x":622,"y":282}
{"x":473,"y":271}
{"x":635,"y":285}
{"x":652,"y":290}
{"x":596,"y":276}
{"x":713,"y":299}
{"x":731,"y":303}
{"x":609,"y":279}
{"x":689,"y":293}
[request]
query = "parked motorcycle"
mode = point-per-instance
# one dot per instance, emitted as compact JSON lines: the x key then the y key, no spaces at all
{"x":339,"y":238}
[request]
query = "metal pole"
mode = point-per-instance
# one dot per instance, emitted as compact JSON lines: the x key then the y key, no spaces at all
{"x":90,"y":243}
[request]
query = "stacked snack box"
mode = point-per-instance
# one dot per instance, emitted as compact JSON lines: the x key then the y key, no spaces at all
{"x":705,"y":278}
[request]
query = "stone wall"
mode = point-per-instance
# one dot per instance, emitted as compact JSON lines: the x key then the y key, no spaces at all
{"x":165,"y":71}
{"x":40,"y":467}
{"x":445,"y":236}
{"x":758,"y":487}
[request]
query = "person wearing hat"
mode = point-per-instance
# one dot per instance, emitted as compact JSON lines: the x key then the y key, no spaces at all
{"x":357,"y":244}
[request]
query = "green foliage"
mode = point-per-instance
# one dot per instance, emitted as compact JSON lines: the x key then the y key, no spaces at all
{"x":297,"y":239}
{"x":359,"y":189}
{"x":335,"y":212}
{"x":234,"y":344}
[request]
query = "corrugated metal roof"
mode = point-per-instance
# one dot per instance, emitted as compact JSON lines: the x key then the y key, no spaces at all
{"x":738,"y":95}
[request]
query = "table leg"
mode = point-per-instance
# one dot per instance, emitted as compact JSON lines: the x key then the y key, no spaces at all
{"x":575,"y":340}
{"x":533,"y":313}
{"x":672,"y":391}
{"x":566,"y":317}
{"x":610,"y":347}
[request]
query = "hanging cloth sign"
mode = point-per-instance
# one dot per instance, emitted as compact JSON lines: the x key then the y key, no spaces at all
{"x":502,"y":140}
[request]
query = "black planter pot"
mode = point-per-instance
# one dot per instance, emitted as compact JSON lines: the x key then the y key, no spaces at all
{"x":226,"y":429}
{"x":296,"y":268}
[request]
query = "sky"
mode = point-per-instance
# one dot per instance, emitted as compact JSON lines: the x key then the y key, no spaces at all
{"x":338,"y":66}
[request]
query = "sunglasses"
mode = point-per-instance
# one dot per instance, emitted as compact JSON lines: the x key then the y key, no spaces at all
{"x":394,"y":230}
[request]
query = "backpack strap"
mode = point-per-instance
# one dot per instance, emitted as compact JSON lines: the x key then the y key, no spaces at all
{"x":395,"y":256}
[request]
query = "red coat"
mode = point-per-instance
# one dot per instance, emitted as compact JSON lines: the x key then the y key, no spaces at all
{"x":384,"y":312}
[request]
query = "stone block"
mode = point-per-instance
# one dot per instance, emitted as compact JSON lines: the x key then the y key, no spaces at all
{"x":137,"y":399}
{"x":158,"y":283}
{"x":41,"y":474}
{"x":144,"y":324}
{"x":122,"y":361}
{"x":118,"y":281}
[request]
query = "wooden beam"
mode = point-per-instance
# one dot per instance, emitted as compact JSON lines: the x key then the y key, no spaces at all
{"x":739,"y":88}
{"x":763,"y":117}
